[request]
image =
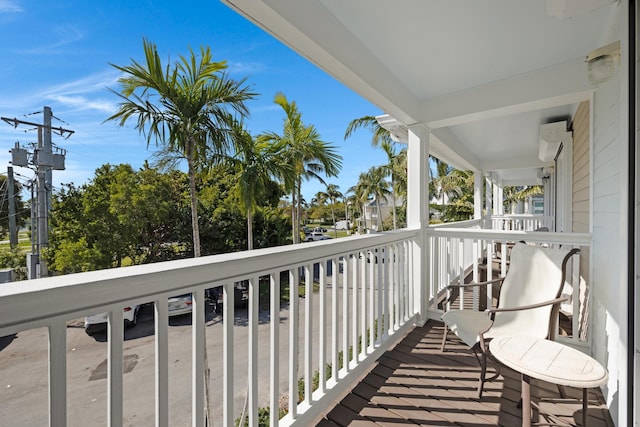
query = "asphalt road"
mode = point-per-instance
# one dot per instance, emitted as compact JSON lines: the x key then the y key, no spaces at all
{"x":24,"y":370}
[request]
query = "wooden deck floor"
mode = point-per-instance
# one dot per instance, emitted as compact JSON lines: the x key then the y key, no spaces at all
{"x":416,"y":384}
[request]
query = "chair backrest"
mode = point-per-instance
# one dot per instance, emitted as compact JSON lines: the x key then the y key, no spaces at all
{"x":536,"y":274}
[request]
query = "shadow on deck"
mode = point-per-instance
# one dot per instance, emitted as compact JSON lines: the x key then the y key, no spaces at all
{"x":416,"y":384}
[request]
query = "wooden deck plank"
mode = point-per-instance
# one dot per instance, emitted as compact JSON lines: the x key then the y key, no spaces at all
{"x":417,"y":384}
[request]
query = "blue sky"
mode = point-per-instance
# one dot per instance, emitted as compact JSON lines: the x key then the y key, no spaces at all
{"x":58,"y":54}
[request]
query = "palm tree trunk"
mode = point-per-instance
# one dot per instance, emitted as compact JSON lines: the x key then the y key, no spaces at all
{"x":195,"y":229}
{"x":196,"y":253}
{"x":393,"y":201}
{"x":293,"y":217}
{"x":249,"y":230}
{"x":379,"y":218}
{"x":298,"y":211}
{"x":333,"y":218}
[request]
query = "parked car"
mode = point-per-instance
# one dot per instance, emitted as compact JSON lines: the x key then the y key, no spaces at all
{"x":315,"y":236}
{"x":240,"y":295}
{"x":181,"y":304}
{"x":98,"y":322}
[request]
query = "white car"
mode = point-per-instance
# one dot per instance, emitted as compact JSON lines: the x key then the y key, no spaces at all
{"x":98,"y":322}
{"x":181,"y":304}
{"x":316,"y":235}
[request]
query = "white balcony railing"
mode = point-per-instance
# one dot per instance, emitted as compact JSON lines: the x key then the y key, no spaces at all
{"x":522,"y":222}
{"x":359,"y":295}
{"x":459,"y":254}
{"x":364,"y":298}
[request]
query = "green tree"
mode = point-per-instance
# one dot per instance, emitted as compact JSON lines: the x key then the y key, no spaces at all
{"x":186,"y":108}
{"x":379,"y":135}
{"x":86,"y":221}
{"x":224,"y":221}
{"x":305,"y":153}
{"x":255,"y":163}
{"x":332,"y":193}
{"x":141,"y":216}
{"x":14,"y":258}
{"x":372,"y":184}
{"x":396,"y":165}
{"x":397,"y":161}
{"x":378,"y":187}
{"x":514,"y":195}
{"x":22,"y":212}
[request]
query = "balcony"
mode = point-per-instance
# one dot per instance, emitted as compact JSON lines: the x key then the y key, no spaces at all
{"x":360,"y":297}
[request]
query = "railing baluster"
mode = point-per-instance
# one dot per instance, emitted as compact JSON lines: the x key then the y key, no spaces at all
{"x":308,"y":333}
{"x":274,"y":348}
{"x":355,"y":307}
{"x":372,"y":303}
{"x":363,"y":305}
{"x":380,"y":294}
{"x":334,"y":322}
{"x":115,"y":368}
{"x":395,"y":305}
{"x":489,"y":275}
{"x":198,"y":364}
{"x":408,"y":266}
{"x":227,"y":360}
{"x":162,"y":361}
{"x":252,"y":368}
{"x":322,"y":326}
{"x":401,"y":281}
{"x":294,"y":348}
{"x":346,"y":321}
{"x":58,"y":373}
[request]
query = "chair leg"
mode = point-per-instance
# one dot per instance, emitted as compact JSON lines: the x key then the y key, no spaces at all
{"x":444,"y":338}
{"x":483,"y":367}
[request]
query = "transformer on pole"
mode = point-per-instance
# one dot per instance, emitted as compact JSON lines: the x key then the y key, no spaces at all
{"x":43,"y":159}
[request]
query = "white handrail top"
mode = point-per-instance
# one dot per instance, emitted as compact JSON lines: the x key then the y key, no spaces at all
{"x":579,"y":239}
{"x":33,"y":300}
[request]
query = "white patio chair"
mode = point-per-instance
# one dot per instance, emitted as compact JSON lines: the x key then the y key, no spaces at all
{"x":528,"y":303}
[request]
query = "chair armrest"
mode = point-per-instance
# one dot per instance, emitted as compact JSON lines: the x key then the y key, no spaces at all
{"x":527,"y":307}
{"x":476,"y":284}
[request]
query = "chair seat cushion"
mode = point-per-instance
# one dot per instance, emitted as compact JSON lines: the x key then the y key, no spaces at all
{"x":467,"y":324}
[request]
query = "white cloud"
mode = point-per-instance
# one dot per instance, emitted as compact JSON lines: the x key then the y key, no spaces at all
{"x":245,"y":67}
{"x":80,"y":103}
{"x":77,"y":94}
{"x":9,"y":6}
{"x":66,"y":35}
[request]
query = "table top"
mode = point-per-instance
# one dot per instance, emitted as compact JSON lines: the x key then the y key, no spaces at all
{"x":548,"y":361}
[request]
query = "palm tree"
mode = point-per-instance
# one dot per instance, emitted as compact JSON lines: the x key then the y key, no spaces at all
{"x":373,"y":184}
{"x":379,"y":134}
{"x":394,"y":168}
{"x":255,"y":162}
{"x":513,"y":195}
{"x":306,"y":154}
{"x":360,"y":197}
{"x":186,"y":109}
{"x":332,"y":193}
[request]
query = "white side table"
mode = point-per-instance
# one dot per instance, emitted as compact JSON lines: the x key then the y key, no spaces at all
{"x":548,"y":361}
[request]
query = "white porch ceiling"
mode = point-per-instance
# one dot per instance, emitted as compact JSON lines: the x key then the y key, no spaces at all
{"x":483,"y":75}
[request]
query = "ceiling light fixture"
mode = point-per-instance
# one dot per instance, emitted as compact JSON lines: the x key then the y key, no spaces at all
{"x":601,"y":63}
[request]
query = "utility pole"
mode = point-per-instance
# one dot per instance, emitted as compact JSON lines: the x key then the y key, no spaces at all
{"x":13,"y":232}
{"x":44,"y":160}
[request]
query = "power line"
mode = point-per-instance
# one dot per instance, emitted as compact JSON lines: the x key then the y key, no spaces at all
{"x":44,"y":159}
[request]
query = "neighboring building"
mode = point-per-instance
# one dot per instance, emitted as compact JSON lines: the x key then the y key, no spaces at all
{"x":372,"y":219}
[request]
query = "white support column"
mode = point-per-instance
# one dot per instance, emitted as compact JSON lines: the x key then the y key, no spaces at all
{"x":498,"y":205}
{"x":477,"y":195}
{"x":418,"y":212}
{"x":489,"y":201}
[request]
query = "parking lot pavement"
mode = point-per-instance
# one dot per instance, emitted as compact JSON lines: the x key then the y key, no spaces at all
{"x":24,"y":369}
